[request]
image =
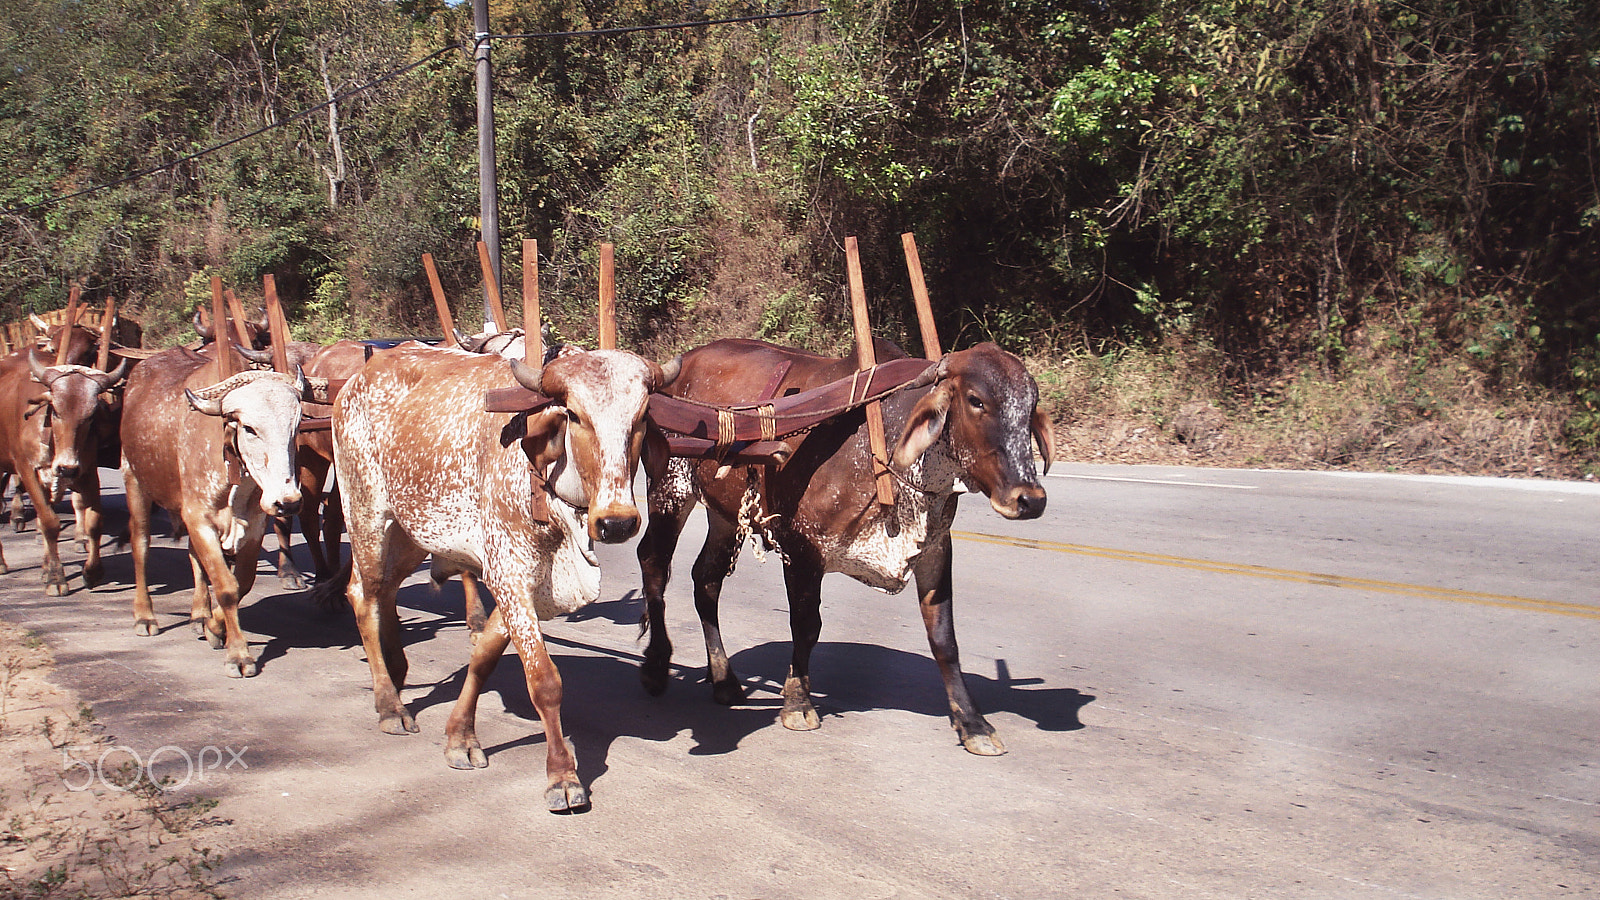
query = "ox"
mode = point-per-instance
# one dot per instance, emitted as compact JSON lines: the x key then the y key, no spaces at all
{"x":49,"y":427}
{"x":964,"y":425}
{"x":177,"y":427}
{"x":423,"y":469}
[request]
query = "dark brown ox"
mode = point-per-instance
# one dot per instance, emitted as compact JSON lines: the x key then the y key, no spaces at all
{"x":516,"y":500}
{"x":176,"y":427}
{"x":49,"y":439}
{"x":966,"y":431}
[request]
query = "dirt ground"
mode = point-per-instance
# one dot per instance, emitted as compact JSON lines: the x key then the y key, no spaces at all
{"x":77,"y":817}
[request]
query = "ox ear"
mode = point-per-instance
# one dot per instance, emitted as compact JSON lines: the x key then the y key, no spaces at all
{"x":546,"y":438}
{"x":657,"y":453}
{"x":923,"y":426}
{"x":1044,"y":434}
{"x":209,"y":407}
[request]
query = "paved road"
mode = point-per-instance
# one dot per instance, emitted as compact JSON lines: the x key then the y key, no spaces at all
{"x":1212,"y":684}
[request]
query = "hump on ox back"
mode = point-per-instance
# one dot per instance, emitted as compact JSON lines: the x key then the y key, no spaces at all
{"x":966,"y":425}
{"x":424,"y":469}
{"x":219,"y":457}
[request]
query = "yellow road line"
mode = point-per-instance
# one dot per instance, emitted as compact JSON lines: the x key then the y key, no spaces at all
{"x":1507,"y":601}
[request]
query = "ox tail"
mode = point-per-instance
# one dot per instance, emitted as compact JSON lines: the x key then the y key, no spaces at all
{"x":644,"y":624}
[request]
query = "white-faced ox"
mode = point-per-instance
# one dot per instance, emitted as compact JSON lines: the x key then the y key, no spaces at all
{"x":424,"y":469}
{"x":219,"y":456}
{"x":965,"y":428}
{"x":49,"y":435}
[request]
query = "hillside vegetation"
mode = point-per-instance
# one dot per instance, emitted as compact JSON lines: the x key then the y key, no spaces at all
{"x":1325,"y":232}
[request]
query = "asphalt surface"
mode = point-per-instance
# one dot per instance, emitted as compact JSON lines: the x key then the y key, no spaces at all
{"x":1211,"y":683}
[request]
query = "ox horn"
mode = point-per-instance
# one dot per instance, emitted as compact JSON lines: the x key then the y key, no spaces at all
{"x":41,"y":373}
{"x":258,"y":357}
{"x":530,"y":377}
{"x":42,"y":325}
{"x":200,"y":325}
{"x":109,"y":380}
{"x":668,"y":373}
{"x":936,"y":372}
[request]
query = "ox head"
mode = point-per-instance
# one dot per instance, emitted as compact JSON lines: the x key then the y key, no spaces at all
{"x":259,"y":333}
{"x":590,"y":438}
{"x":71,"y":399}
{"x":261,"y":416}
{"x":985,"y":405}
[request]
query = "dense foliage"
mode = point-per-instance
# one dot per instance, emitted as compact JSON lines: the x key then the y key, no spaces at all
{"x":1278,"y":182}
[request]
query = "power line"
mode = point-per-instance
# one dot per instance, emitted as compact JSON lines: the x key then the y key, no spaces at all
{"x":387,"y":76}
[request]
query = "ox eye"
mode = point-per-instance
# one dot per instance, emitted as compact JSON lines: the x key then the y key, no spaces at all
{"x":573,"y":417}
{"x":975,"y":402}
{"x":249,"y":430}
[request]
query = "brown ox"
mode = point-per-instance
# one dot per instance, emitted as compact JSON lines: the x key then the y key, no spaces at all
{"x":968,"y":430}
{"x":423,"y":469}
{"x":176,"y":428}
{"x":49,"y":439}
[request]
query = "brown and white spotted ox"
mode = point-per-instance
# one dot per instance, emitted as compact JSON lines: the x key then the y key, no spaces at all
{"x":969,"y":430}
{"x":177,"y":425}
{"x":516,"y":500}
{"x":50,"y":422}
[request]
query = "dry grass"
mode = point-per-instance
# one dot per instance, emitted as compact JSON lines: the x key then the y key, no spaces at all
{"x":98,"y":842}
{"x":1170,"y":406}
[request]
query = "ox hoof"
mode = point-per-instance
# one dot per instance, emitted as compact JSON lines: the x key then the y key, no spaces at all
{"x":144,"y":627}
{"x":93,"y":576}
{"x":401,"y":723}
{"x":801,"y":719}
{"x":466,"y":757}
{"x":728,"y":693}
{"x":292,"y":581}
{"x":245,"y":668}
{"x":216,"y":641}
{"x":983,"y":744}
{"x":654,"y":679}
{"x":198,"y":626}
{"x":55,"y":589}
{"x":566,"y":796}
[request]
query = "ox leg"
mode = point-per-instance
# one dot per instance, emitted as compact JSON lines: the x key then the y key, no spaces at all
{"x":86,"y":500}
{"x":78,"y":536}
{"x":200,"y":602}
{"x":206,"y":546}
{"x":332,"y":532}
{"x":564,"y":792}
{"x":5,"y":478}
{"x":461,"y":748}
{"x":655,"y":551}
{"x":710,"y":570}
{"x":290,"y":578}
{"x":19,"y":515}
{"x":934,"y":597}
{"x":313,"y":472}
{"x":803,"y":579}
{"x":373,"y":584}
{"x":54,"y":577}
{"x":477,"y":619}
{"x":144,"y":616}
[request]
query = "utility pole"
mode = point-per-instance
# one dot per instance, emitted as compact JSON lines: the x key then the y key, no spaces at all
{"x":488,"y":190}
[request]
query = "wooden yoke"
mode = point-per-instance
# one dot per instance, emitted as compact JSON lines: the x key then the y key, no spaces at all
{"x":532,"y":334}
{"x":440,"y":304}
{"x":607,"y":339}
{"x":108,"y":320}
{"x":919,"y":294}
{"x":277,"y":325}
{"x":64,"y":342}
{"x":866,"y":358}
{"x":492,"y":286}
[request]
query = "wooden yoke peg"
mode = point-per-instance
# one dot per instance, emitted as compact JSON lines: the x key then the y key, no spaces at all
{"x":866,"y":358}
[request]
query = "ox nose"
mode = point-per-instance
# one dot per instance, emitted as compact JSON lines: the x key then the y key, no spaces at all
{"x":67,"y":472}
{"x":286,"y":507}
{"x":614,"y":529}
{"x":1030,"y":504}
